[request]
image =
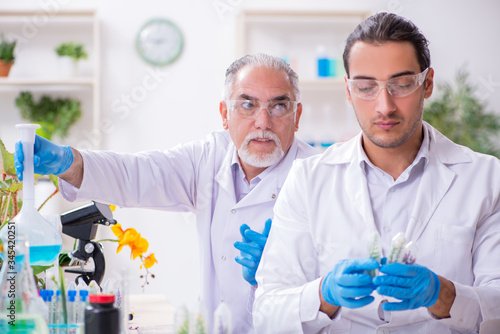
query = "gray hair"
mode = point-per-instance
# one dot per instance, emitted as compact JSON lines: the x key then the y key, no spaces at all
{"x":260,"y":60}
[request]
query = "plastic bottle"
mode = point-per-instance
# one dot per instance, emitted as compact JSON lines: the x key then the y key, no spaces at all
{"x":45,"y":241}
{"x":101,"y":316}
{"x":82,"y":304}
{"x":323,"y":61}
{"x":22,"y":310}
{"x":71,"y":307}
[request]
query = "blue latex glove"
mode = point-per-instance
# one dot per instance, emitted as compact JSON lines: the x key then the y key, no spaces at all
{"x":48,"y":158}
{"x":348,"y":284}
{"x":251,"y":248}
{"x":415,"y":285}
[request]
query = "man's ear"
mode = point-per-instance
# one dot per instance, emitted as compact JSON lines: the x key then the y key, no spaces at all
{"x":224,"y":115}
{"x":429,"y":83}
{"x":298,"y":113}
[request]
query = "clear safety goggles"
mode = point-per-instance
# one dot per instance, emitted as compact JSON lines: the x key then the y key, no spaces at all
{"x":252,"y":108}
{"x":368,"y":89}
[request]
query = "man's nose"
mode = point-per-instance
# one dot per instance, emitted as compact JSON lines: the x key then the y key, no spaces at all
{"x":263,"y":119}
{"x":384,"y":102}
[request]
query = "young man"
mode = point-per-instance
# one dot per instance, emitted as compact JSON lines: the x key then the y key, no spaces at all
{"x":229,"y":178}
{"x":398,"y":175}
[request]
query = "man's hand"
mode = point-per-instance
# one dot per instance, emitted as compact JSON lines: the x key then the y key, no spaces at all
{"x":48,"y":158}
{"x":251,"y":248}
{"x":348,"y":284}
{"x":414,"y":285}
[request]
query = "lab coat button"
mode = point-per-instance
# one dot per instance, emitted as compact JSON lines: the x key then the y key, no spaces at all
{"x":387,"y":229}
{"x":223,"y":258}
{"x":273,"y":196}
{"x":233,"y":211}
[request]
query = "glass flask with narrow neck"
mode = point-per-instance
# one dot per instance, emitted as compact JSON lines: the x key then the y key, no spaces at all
{"x":44,"y":239}
{"x":22,"y":311}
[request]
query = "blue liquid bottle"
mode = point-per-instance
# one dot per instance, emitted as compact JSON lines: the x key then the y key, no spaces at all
{"x":44,"y":239}
{"x":22,"y":310}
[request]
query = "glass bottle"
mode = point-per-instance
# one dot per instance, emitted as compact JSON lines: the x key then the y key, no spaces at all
{"x":45,"y":240}
{"x":21,"y":308}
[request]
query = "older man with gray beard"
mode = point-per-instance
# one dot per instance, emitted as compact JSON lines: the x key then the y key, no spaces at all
{"x":230,"y":178}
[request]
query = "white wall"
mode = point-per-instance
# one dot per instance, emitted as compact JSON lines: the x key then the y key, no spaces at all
{"x":184,"y":106}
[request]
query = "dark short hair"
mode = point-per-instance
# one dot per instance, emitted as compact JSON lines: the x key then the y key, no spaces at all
{"x":388,"y":27}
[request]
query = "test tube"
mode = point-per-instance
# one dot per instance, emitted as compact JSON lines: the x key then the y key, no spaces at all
{"x":80,"y":309}
{"x":52,"y":312}
{"x":71,"y":307}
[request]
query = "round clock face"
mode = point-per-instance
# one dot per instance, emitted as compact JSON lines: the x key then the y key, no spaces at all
{"x":159,"y":42}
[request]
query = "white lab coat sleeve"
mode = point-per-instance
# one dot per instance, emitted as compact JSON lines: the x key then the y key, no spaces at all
{"x":287,"y":298}
{"x":481,"y":302}
{"x":156,"y":180}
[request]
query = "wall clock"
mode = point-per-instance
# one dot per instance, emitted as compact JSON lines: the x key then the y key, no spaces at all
{"x":159,"y":42}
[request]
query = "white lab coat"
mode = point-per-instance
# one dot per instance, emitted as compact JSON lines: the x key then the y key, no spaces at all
{"x":324,"y":215}
{"x":194,"y":177}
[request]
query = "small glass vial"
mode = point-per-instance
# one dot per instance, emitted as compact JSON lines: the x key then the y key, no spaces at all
{"x":101,"y":316}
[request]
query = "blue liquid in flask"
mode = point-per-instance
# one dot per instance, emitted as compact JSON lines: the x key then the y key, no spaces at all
{"x":44,"y":255}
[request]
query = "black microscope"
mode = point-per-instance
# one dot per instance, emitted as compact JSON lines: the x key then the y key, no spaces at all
{"x":81,"y":223}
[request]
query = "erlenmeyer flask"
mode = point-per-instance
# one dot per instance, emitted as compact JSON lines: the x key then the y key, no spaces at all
{"x":21,"y":308}
{"x":44,"y":239}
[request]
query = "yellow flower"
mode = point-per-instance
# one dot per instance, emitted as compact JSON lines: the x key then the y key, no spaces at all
{"x":130,"y":237}
{"x":117,"y":230}
{"x":138,"y":246}
{"x":149,"y":261}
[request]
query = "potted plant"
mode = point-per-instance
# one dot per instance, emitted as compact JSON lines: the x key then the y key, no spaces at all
{"x":70,"y":54}
{"x":55,"y":116}
{"x":6,"y":56}
{"x":459,"y":114}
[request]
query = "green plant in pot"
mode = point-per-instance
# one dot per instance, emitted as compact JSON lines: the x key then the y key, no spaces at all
{"x":55,"y":116}
{"x":460,"y":115}
{"x":6,"y":56}
{"x":70,"y":54}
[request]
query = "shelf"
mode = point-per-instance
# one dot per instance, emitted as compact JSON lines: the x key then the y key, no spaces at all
{"x":297,"y":36}
{"x":90,"y":82}
{"x":72,"y":13}
{"x":38,"y":32}
{"x":326,"y":83}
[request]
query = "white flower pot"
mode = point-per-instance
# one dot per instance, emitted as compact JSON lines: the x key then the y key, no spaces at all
{"x":68,"y":67}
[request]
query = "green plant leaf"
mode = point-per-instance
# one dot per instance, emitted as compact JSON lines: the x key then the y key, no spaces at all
{"x":7,"y":50}
{"x":38,"y":269}
{"x":63,"y":295}
{"x":74,"y":50}
{"x":64,"y":259}
{"x":459,"y":114}
{"x":7,"y":163}
{"x":55,"y":116}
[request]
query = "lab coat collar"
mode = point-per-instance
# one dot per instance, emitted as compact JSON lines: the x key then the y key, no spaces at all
{"x":225,"y":176}
{"x":270,"y":185}
{"x":440,"y":147}
{"x":435,"y":183}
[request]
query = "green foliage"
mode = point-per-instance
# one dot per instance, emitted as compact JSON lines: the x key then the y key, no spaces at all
{"x":200,"y":325}
{"x":54,"y":116}
{"x":184,"y":328}
{"x":7,"y":50}
{"x":461,"y":116}
{"x":10,"y":202}
{"x":73,"y":50}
